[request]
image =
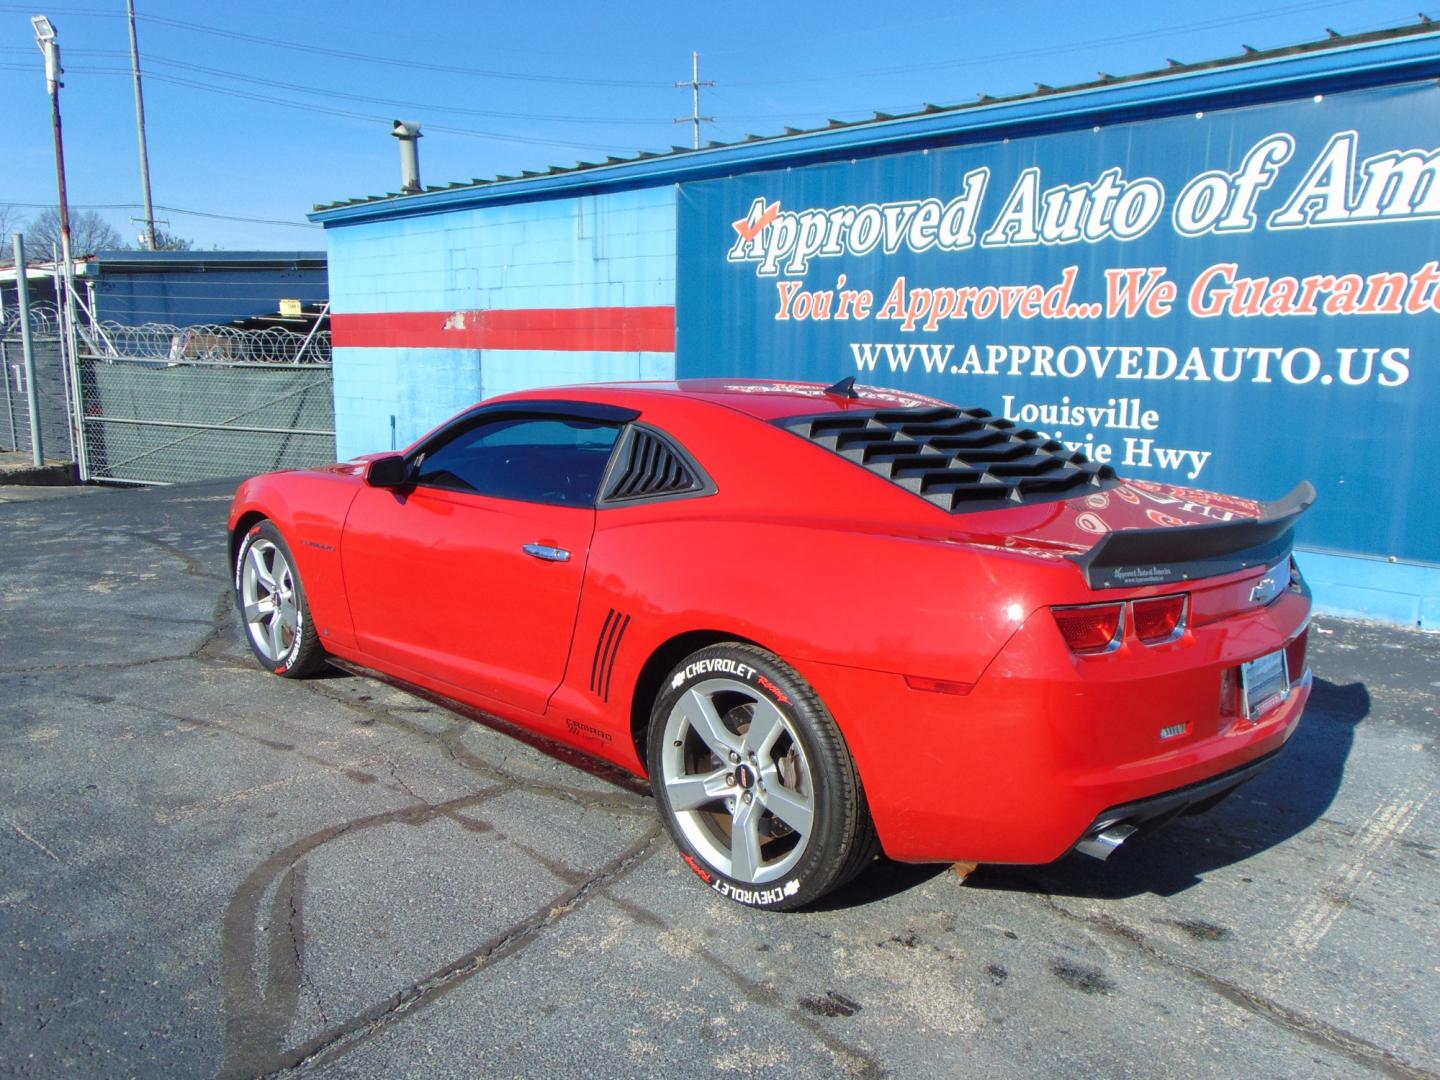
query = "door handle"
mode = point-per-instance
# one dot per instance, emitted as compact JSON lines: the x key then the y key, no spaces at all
{"x":546,"y":552}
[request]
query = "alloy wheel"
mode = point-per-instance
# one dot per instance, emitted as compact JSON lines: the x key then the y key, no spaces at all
{"x":738,"y":781}
{"x":267,"y":595}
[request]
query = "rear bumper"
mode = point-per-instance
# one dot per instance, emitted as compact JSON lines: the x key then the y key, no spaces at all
{"x":1147,"y":815}
{"x":1047,"y":744}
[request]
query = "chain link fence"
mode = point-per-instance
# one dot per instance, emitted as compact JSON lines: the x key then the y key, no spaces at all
{"x":164,"y":404}
{"x":52,"y":396}
{"x":161,"y":404}
{"x":172,"y":403}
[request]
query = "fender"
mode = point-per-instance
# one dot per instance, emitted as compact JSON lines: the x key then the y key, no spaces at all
{"x":309,"y":509}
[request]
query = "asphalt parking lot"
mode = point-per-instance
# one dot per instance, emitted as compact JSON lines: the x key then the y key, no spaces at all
{"x":205,"y":870}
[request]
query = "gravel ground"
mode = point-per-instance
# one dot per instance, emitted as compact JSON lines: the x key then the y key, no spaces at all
{"x":205,"y":870}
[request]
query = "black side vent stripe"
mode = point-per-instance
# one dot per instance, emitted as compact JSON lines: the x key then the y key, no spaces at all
{"x":607,"y":648}
{"x":614,"y":652}
{"x":601,"y":641}
{"x":651,"y":468}
{"x":958,"y":459}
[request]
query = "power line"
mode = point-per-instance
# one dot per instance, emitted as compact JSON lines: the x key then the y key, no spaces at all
{"x":305,"y":106}
{"x":153,"y":58}
{"x":1183,"y":28}
{"x":401,"y":104}
{"x":236,"y":217}
{"x":1050,"y":50}
{"x":427,"y":106}
{"x":370,"y":58}
{"x":171,"y":210}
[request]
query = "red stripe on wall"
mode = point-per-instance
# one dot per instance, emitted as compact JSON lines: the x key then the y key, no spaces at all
{"x":612,"y":329}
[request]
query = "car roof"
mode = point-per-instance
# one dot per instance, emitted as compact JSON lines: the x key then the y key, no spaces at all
{"x":763,"y":399}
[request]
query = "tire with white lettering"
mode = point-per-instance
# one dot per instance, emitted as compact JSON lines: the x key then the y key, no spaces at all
{"x":753,"y":780}
{"x":272,"y":604}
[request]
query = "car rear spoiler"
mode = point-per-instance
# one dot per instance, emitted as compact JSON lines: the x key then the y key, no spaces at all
{"x":1131,"y":557}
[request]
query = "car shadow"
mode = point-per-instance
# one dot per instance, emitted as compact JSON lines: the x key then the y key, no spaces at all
{"x":880,"y":882}
{"x":1280,"y":803}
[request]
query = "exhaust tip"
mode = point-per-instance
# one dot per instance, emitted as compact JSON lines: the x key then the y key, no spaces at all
{"x":1101,"y":845}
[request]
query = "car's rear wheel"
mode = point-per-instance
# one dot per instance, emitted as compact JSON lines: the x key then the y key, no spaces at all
{"x":754,"y":781}
{"x":272,"y":604}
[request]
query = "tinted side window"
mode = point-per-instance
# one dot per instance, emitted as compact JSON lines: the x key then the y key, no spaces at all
{"x":538,"y":459}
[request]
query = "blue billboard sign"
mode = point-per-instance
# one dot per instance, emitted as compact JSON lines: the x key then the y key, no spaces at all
{"x":1234,"y":300}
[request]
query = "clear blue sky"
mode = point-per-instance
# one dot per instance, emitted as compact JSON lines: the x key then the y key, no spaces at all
{"x":501,"y":87}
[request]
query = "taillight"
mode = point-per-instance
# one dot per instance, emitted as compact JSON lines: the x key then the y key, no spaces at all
{"x":1295,"y":656}
{"x":1230,"y":691}
{"x":1159,"y":619}
{"x":1090,"y":628}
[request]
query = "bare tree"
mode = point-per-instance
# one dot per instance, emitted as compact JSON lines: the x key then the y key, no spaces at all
{"x":89,"y":233}
{"x":168,"y":241}
{"x":11,"y":222}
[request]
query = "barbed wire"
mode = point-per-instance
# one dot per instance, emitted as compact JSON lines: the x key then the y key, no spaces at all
{"x":44,"y":321}
{"x":206,"y":344}
{"x":179,"y":344}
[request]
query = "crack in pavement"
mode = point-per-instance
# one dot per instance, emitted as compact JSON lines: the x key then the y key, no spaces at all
{"x":395,"y":775}
{"x":193,"y":566}
{"x":285,"y":958}
{"x":258,"y":1014}
{"x":206,"y":651}
{"x":853,"y":1060}
{"x":449,"y":741}
{"x":292,"y":888}
{"x":1313,"y":1031}
{"x":258,"y":1018}
{"x":343,"y":768}
{"x":26,"y":836}
{"x":346,"y":1036}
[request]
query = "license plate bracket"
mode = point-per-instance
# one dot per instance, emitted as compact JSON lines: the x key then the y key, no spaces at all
{"x":1264,"y":682}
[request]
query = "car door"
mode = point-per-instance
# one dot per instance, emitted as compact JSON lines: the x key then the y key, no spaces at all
{"x":471,"y":572}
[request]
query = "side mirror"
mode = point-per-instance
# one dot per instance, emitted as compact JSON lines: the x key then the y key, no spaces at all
{"x":390,"y":471}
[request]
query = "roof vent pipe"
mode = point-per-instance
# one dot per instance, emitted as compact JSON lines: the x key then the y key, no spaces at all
{"x":408,"y":132}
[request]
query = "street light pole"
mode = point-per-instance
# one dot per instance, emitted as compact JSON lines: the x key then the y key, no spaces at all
{"x":50,"y":47}
{"x":150,"y":243}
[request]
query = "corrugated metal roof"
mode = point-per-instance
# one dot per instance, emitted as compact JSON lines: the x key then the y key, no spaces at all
{"x":192,"y":260}
{"x":1277,"y":71}
{"x":160,"y":262}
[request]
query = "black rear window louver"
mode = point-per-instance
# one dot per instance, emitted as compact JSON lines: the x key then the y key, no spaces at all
{"x":958,"y":459}
{"x":651,"y":468}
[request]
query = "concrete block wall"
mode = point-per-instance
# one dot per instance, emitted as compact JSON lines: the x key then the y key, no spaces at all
{"x":615,"y":250}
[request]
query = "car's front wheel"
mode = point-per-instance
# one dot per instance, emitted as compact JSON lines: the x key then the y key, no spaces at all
{"x":272,"y":604}
{"x":754,"y":781}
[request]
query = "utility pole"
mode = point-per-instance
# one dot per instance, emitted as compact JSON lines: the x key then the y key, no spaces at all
{"x":150,"y":243}
{"x":694,"y":84}
{"x":45,"y":38}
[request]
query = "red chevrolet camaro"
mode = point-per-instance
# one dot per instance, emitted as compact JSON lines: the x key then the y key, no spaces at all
{"x":822,"y":621}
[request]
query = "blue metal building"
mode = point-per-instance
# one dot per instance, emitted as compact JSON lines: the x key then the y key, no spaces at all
{"x":190,"y":288}
{"x":1221,"y":275}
